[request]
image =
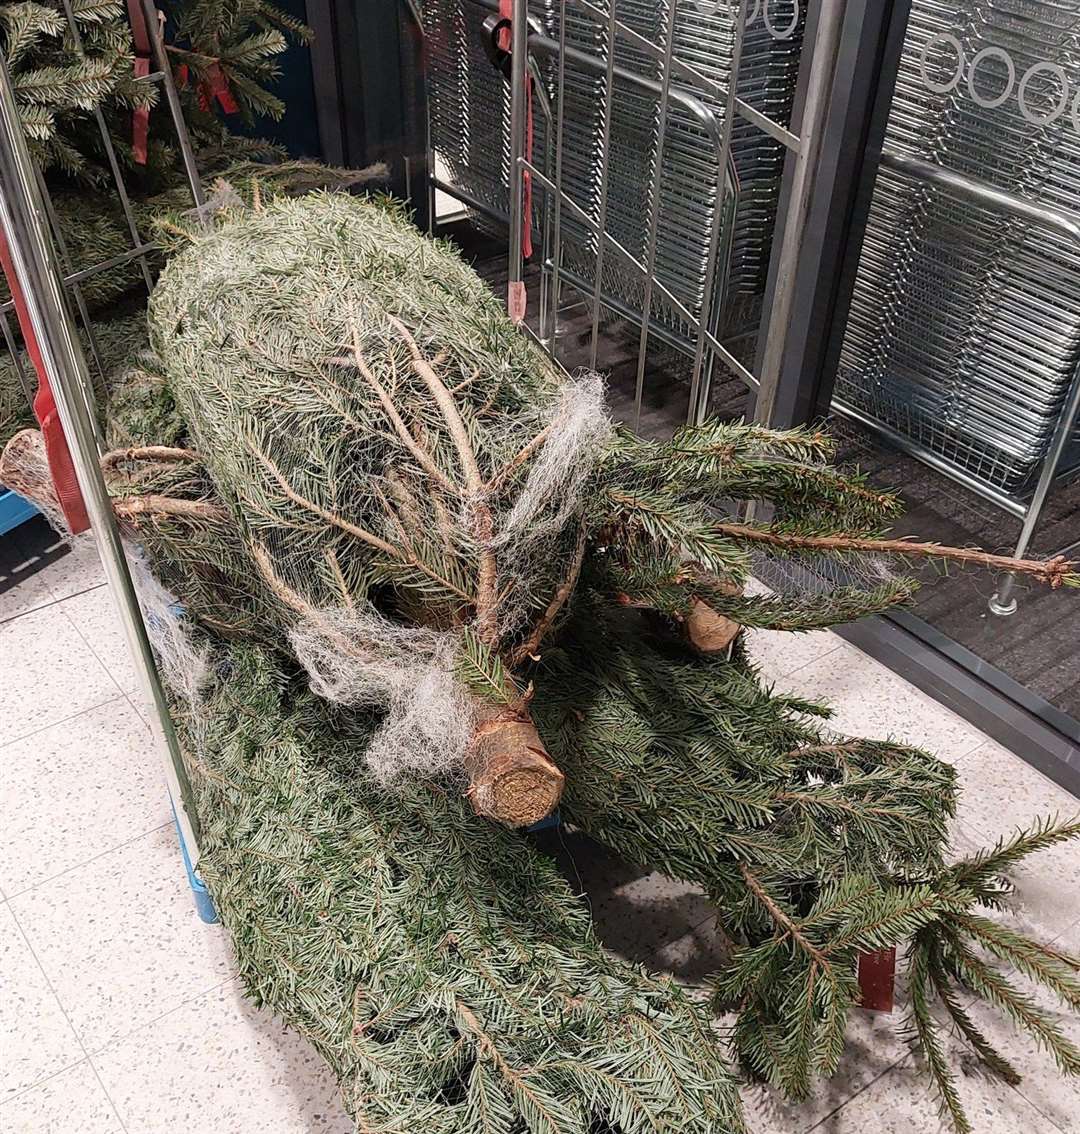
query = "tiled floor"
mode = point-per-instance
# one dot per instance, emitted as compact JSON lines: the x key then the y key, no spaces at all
{"x":120,"y":1011}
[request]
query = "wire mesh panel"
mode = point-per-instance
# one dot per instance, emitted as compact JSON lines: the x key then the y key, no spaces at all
{"x":109,"y":259}
{"x":964,"y":336}
{"x":470,"y":97}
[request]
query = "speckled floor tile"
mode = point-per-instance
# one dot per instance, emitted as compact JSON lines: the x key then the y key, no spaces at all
{"x":35,"y":1038}
{"x":694,"y":957}
{"x":1000,"y":793}
{"x":869,"y":700}
{"x":95,"y":617}
{"x":50,"y":673}
{"x":22,"y":588}
{"x":76,"y":571}
{"x":73,"y":1101}
{"x":778,"y":653}
{"x":635,"y":910}
{"x":74,"y":790}
{"x":120,"y":939}
{"x":217,"y":1063}
{"x":901,"y":1102}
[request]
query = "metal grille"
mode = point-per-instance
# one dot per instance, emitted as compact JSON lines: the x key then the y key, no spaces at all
{"x":470,"y":101}
{"x":79,"y":278}
{"x":964,"y":335}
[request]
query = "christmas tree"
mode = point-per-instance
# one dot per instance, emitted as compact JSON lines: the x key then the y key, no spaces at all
{"x":357,"y":474}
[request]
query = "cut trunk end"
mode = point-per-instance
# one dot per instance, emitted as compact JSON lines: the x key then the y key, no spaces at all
{"x":24,"y":468}
{"x":708,"y":631}
{"x":512,"y":778}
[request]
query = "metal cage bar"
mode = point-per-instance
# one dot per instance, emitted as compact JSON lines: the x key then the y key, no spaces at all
{"x":47,"y":278}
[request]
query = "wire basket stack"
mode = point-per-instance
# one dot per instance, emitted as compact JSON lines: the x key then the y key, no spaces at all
{"x":469,"y":99}
{"x":964,"y":334}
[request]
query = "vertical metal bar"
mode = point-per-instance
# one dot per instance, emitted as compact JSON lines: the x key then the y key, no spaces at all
{"x":605,"y":170}
{"x":1003,"y":602}
{"x":698,"y":405}
{"x":654,"y":210}
{"x":13,"y":349}
{"x":161,"y":62}
{"x":822,"y":62}
{"x":110,"y":156}
{"x":22,"y":215}
{"x":863,"y":84}
{"x":519,"y":114}
{"x":67,"y":265}
{"x":556,"y":238}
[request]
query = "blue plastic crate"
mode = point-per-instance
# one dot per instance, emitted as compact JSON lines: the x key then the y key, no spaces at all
{"x":14,"y":510}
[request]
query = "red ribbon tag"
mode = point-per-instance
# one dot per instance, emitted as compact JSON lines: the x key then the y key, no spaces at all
{"x":140,"y":118}
{"x":219,"y":88}
{"x":61,"y":468}
{"x":877,"y":980}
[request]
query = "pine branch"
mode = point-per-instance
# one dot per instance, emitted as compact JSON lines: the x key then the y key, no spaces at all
{"x":1055,"y":572}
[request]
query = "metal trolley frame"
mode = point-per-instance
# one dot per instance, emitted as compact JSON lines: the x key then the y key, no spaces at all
{"x":48,"y":280}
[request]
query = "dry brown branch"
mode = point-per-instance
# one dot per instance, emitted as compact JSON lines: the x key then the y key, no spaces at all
{"x":407,"y":439}
{"x":558,"y":600}
{"x":134,"y":508}
{"x":339,"y":578}
{"x":500,"y":478}
{"x":352,"y":529}
{"x":487,"y":575}
{"x":164,"y":454}
{"x":1052,"y":571}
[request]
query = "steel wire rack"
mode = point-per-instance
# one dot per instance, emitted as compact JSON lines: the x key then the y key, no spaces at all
{"x":962,"y":346}
{"x":52,"y":287}
{"x":663,"y":130}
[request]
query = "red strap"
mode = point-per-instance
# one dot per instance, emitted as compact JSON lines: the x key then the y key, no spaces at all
{"x":877,"y":977}
{"x":140,"y":117}
{"x":517,"y":299}
{"x":56,"y":450}
{"x":219,"y":88}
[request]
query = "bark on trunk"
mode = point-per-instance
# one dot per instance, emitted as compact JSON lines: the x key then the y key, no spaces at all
{"x":512,"y":778}
{"x":708,"y":631}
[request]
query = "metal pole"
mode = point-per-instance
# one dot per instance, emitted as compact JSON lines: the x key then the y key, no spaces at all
{"x":23,"y":216}
{"x":1003,"y":602}
{"x":519,"y":113}
{"x":826,"y":42}
{"x":605,"y":171}
{"x":654,"y":213}
{"x":161,"y":62}
{"x":697,"y":408}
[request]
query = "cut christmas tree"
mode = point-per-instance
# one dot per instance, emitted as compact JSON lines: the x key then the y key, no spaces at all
{"x":354,"y":461}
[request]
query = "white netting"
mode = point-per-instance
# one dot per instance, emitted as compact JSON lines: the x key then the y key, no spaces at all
{"x":24,"y":468}
{"x":578,"y":435}
{"x":360,"y":659}
{"x":182,"y":665}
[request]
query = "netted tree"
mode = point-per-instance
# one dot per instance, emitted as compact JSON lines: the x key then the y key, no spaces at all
{"x":358,"y":462}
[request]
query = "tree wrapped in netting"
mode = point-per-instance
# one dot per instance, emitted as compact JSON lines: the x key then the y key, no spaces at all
{"x":439,"y":964}
{"x":358,"y":462}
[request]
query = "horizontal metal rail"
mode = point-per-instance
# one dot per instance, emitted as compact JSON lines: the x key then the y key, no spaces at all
{"x":691,"y":75}
{"x":984,"y":193}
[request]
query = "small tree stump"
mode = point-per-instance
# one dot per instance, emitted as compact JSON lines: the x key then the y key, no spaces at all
{"x":512,"y":778}
{"x":708,"y":631}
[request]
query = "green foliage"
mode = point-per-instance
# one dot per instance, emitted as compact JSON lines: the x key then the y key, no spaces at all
{"x":814,"y":847}
{"x":439,"y":964}
{"x":59,"y":82}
